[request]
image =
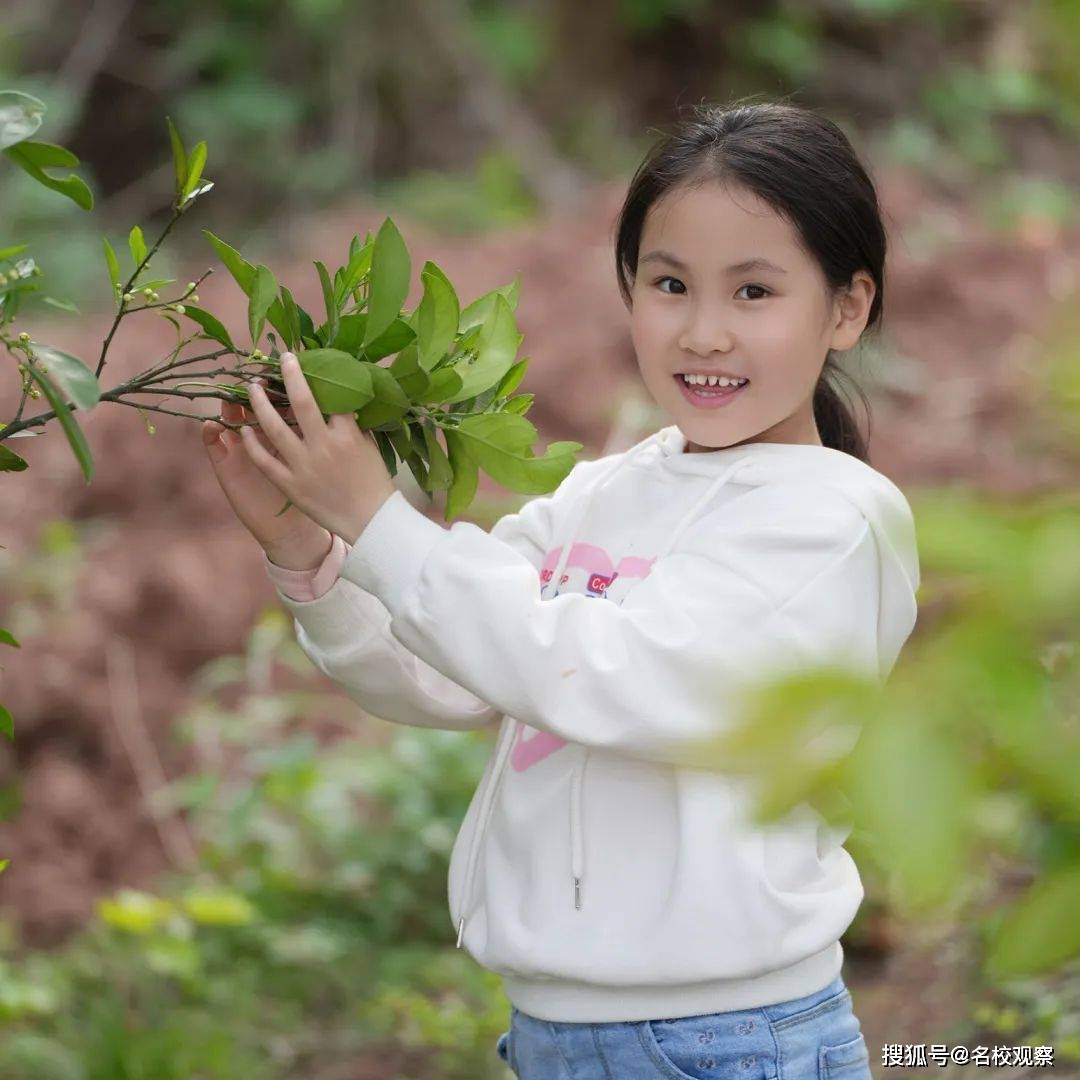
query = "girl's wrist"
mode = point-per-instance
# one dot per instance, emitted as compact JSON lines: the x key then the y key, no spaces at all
{"x":300,"y":553}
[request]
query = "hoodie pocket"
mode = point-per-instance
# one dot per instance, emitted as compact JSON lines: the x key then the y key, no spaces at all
{"x":792,"y":850}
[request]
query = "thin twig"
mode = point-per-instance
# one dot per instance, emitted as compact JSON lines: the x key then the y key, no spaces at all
{"x":122,"y":310}
{"x":145,"y":762}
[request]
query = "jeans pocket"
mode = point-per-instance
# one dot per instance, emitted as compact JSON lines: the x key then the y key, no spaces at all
{"x":714,"y":1046}
{"x":845,"y":1061}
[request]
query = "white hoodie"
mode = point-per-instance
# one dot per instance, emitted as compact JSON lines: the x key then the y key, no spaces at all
{"x":597,"y":870}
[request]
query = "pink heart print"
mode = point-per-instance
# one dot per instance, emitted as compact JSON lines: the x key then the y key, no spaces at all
{"x":593,"y":567}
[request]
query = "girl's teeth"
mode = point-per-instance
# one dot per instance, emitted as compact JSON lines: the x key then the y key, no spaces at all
{"x":711,"y":380}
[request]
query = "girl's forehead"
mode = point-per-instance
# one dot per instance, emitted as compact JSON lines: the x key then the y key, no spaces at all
{"x":712,"y":207}
{"x":711,"y":223}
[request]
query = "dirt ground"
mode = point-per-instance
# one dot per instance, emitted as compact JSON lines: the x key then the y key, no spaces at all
{"x":167,"y":570}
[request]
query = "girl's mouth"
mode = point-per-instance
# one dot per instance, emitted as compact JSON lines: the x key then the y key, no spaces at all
{"x":708,"y":397}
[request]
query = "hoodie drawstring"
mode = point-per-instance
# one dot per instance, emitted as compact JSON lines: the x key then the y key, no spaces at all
{"x":577,"y":841}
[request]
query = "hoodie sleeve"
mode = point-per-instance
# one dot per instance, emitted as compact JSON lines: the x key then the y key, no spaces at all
{"x":784,"y":576}
{"x":346,"y":633}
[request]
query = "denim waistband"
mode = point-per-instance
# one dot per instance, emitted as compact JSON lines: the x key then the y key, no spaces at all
{"x":782,"y":1009}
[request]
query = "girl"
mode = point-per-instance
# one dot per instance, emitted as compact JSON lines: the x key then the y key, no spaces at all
{"x":642,"y":924}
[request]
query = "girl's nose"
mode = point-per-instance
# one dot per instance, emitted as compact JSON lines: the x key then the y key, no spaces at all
{"x":705,"y":335}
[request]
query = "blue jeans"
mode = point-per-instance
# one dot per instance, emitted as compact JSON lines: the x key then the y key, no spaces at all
{"x":816,"y":1037}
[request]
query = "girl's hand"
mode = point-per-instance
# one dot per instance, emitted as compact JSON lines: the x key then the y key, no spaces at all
{"x":255,"y":500}
{"x":332,"y":471}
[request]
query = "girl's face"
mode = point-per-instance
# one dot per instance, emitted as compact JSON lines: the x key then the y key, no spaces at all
{"x":698,"y":305}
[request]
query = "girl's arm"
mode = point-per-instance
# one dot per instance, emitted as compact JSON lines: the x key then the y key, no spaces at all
{"x":787,"y":575}
{"x":346,"y":632}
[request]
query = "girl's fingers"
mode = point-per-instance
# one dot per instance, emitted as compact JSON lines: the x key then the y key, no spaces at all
{"x":281,"y":436}
{"x":276,"y":471}
{"x":301,"y":400}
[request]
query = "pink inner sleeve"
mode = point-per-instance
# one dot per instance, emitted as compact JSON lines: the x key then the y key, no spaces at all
{"x":309,"y":584}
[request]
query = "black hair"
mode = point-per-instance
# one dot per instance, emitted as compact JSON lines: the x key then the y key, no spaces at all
{"x":803,"y":165}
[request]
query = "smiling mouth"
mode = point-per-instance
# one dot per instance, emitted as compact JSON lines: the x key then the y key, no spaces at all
{"x":705,"y":396}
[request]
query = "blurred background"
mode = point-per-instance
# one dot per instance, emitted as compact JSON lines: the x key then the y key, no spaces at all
{"x":220,"y":867}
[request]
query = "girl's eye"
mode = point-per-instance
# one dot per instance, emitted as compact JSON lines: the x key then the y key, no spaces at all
{"x":668,"y":277}
{"x":761,"y":287}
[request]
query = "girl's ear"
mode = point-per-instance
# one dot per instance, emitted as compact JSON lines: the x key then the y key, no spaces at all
{"x":853,"y":310}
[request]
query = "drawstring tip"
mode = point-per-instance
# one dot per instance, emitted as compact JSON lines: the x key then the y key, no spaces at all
{"x":577,"y":892}
{"x":460,"y":932}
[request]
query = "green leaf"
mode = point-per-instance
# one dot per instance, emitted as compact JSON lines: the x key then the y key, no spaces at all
{"x":330,"y":328}
{"x":392,"y":340}
{"x":480,"y":310}
{"x":242,"y":271}
{"x":388,"y":399}
{"x":408,"y":372}
{"x":135,"y":911}
{"x":180,"y":163}
{"x":63,"y":305}
{"x":419,"y":470}
{"x":7,"y":727}
{"x":70,"y":374}
{"x":292,"y":319}
{"x":10,"y":462}
{"x":11,"y":252}
{"x":386,"y":448}
{"x":350,"y":332}
{"x":195,"y":168}
{"x":389,"y":280}
{"x":210,"y":325}
{"x":339,"y":382}
{"x":48,"y":155}
{"x":218,"y":907}
{"x":358,"y":267}
{"x":436,"y":317}
{"x":68,"y":423}
{"x":442,"y":386}
{"x":922,"y":839}
{"x":519,"y":404}
{"x":401,"y":439}
{"x":263,"y":294}
{"x":1041,"y":932}
{"x":112,"y":262}
{"x":244,"y":274}
{"x":156,"y":283}
{"x":501,"y":444}
{"x":8,"y":638}
{"x":495,"y":351}
{"x":72,"y":187}
{"x":512,"y":378}
{"x":20,"y":116}
{"x":440,"y":474}
{"x":137,"y":246}
{"x":462,"y":490}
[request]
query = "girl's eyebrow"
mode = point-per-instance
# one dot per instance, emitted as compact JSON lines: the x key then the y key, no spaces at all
{"x":757,"y":263}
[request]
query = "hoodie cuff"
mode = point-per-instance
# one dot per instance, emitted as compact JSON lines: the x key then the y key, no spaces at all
{"x":309,"y":584}
{"x":388,"y":555}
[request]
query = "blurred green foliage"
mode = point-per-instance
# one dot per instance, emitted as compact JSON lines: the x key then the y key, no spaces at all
{"x":307,"y":102}
{"x":315,"y":929}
